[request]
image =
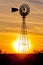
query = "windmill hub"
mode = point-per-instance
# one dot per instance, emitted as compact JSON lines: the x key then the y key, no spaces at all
{"x":24,"y":10}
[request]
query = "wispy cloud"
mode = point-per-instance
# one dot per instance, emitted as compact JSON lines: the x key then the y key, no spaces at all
{"x":34,"y":20}
{"x":36,"y":1}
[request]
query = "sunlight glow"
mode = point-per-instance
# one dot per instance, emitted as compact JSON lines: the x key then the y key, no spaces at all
{"x":19,"y":49}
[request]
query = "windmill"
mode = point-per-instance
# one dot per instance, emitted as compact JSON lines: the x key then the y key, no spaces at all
{"x":24,"y":11}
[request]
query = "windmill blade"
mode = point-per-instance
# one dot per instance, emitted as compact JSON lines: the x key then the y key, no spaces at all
{"x":14,"y":9}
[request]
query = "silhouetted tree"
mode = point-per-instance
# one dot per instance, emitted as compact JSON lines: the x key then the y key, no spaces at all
{"x":41,"y":51}
{"x":0,"y":51}
{"x":4,"y":53}
{"x":35,"y":51}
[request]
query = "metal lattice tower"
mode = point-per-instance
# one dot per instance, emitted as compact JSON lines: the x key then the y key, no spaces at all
{"x":24,"y":11}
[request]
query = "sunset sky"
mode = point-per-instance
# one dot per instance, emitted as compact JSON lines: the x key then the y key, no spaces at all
{"x":10,"y":24}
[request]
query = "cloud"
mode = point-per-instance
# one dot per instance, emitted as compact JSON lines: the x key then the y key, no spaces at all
{"x":34,"y":20}
{"x":35,"y":28}
{"x":36,"y":1}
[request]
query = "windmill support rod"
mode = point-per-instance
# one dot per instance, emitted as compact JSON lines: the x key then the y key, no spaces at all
{"x":23,"y":26}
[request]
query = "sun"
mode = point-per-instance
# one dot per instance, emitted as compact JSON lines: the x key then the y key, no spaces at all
{"x":20,"y":48}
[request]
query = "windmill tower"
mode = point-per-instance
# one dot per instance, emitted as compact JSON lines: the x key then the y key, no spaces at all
{"x":24,"y":11}
{"x":23,"y":42}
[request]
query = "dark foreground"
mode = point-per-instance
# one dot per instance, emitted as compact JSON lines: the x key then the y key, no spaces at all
{"x":14,"y":59}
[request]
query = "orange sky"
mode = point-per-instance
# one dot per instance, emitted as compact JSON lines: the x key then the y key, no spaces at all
{"x":7,"y":40}
{"x":10,"y":24}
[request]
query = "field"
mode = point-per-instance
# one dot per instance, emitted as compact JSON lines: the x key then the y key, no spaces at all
{"x":19,"y":59}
